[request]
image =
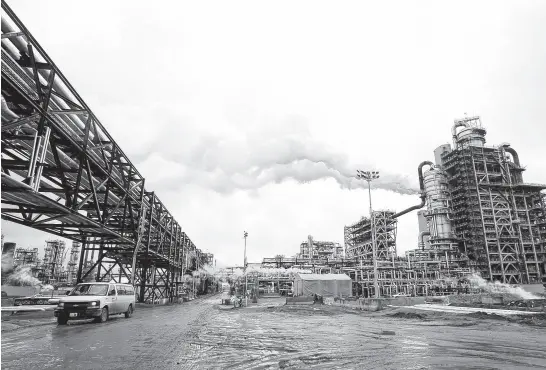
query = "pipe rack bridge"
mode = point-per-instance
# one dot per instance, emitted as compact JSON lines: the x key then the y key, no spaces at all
{"x":64,"y":174}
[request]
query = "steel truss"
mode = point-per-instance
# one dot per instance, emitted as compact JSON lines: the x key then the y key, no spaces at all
{"x":64,"y":174}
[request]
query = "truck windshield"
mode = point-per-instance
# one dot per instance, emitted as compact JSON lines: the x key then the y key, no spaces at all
{"x":90,"y":289}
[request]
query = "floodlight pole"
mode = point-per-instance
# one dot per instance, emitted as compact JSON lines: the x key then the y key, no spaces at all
{"x":369,"y":176}
{"x":246,"y":280}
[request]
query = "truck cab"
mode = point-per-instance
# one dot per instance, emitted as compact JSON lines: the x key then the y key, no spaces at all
{"x":97,"y":301}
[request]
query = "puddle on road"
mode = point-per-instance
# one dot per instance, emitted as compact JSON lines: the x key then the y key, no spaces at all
{"x":202,"y":336}
{"x":310,"y":337}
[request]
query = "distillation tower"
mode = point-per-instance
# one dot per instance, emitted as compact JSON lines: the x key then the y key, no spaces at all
{"x":480,"y":214}
{"x":443,"y":243}
{"x":499,"y":218}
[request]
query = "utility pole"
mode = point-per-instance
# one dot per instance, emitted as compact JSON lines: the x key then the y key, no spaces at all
{"x":245,"y":234}
{"x":369,"y":176}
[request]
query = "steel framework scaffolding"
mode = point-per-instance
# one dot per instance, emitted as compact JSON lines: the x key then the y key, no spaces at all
{"x":64,"y":174}
{"x":314,"y":249}
{"x":358,"y":237}
{"x":26,"y":257}
{"x":498,"y":216}
{"x":72,"y":265}
{"x":52,"y":264}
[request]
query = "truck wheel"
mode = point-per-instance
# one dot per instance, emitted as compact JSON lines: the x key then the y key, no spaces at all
{"x":129,"y":312}
{"x":62,"y":319}
{"x":103,"y":315}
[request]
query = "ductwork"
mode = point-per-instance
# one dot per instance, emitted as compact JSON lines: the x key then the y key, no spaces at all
{"x":421,"y":186}
{"x":422,"y":235}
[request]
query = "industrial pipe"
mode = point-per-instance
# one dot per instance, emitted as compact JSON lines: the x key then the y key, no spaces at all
{"x":421,"y":186}
{"x":22,"y":46}
{"x":458,"y":123}
{"x":514,"y":154}
{"x":422,"y":235}
{"x":7,"y":114}
{"x":515,"y":158}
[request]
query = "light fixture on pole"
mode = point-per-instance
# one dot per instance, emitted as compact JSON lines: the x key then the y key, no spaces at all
{"x":245,"y":234}
{"x":369,"y":176}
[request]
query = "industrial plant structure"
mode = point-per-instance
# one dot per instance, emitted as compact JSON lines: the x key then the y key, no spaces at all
{"x":320,"y":249}
{"x":480,"y":216}
{"x":57,"y":270}
{"x":475,"y":215}
{"x":380,"y":229}
{"x":51,"y":268}
{"x":497,"y":219}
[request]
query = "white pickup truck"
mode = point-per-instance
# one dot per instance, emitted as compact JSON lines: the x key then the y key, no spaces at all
{"x":97,"y":301}
{"x":226,"y":296}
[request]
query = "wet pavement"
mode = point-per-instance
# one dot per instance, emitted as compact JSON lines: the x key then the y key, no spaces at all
{"x":203,"y":334}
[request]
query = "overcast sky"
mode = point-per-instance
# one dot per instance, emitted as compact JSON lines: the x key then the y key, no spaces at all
{"x":252,"y":115}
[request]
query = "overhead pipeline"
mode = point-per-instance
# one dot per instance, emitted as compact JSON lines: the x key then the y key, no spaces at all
{"x":7,"y":114}
{"x":421,"y":186}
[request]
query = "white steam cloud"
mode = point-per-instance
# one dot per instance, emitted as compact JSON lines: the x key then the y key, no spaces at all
{"x":498,"y":287}
{"x":251,"y":270}
{"x":7,"y":262}
{"x":22,"y":276}
{"x":270,"y":155}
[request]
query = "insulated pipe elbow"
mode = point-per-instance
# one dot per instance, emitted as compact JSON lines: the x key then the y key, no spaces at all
{"x":422,"y":235}
{"x":454,"y":130}
{"x":515,"y":155}
{"x":420,"y":173}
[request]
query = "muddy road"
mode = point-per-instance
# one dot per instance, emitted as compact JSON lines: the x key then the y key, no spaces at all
{"x":201,"y":334}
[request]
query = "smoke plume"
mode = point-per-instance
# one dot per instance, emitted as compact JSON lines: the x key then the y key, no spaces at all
{"x":268,"y":155}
